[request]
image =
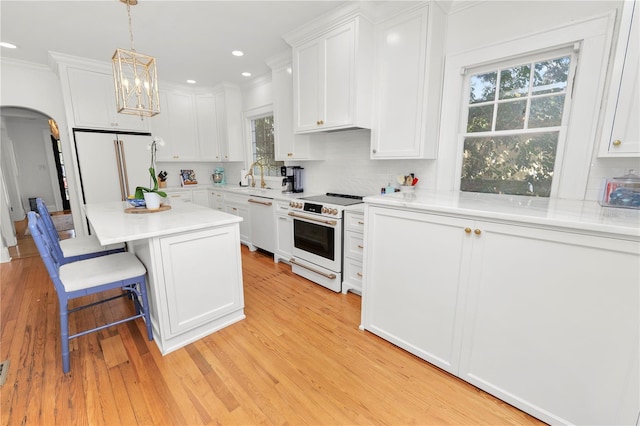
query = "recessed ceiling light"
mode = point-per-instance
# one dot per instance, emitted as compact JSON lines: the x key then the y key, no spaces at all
{"x":246,"y":74}
{"x":191,"y":81}
{"x":8,"y":45}
{"x":237,"y":53}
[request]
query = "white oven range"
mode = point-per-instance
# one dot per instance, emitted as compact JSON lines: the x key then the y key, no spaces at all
{"x":318,"y":237}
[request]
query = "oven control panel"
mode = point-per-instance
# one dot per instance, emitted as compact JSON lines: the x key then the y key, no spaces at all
{"x":314,"y":208}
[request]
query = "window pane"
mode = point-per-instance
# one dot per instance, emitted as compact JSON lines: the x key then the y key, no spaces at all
{"x":511,"y":115}
{"x":551,"y":76}
{"x":480,"y":119}
{"x":263,"y":146}
{"x":517,"y":164}
{"x":514,"y":82}
{"x":483,"y":87}
{"x":546,"y":111}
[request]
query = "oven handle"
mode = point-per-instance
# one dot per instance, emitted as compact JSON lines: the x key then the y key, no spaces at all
{"x":324,"y":274}
{"x":265,"y":203}
{"x":325,"y":221}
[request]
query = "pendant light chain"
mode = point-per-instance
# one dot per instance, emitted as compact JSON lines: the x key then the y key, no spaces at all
{"x":133,"y":49}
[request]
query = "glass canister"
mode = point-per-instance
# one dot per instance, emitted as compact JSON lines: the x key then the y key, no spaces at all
{"x":623,"y":191}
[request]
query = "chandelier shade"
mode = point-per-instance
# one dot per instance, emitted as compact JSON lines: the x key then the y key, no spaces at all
{"x":136,"y":83}
{"x":135,"y":78}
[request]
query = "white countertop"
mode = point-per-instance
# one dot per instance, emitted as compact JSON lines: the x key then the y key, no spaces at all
{"x":573,"y":214}
{"x":275,"y":194}
{"x":112,"y":225}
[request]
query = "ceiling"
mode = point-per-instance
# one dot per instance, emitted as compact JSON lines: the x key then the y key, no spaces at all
{"x":190,"y":39}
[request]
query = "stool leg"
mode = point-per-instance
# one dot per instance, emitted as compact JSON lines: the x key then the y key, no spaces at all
{"x":145,"y":306}
{"x":64,"y":335}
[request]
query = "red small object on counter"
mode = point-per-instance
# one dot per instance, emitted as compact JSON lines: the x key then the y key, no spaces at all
{"x":415,"y":181}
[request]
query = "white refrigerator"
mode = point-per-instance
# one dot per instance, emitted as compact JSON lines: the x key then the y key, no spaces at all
{"x":112,"y":165}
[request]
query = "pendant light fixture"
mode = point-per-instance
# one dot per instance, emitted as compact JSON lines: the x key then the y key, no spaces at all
{"x":135,"y":78}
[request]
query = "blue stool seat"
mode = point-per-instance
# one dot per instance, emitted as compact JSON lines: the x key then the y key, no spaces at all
{"x":85,"y":277}
{"x":73,"y":249}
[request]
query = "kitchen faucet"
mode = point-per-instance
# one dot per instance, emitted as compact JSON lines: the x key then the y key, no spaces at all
{"x":253,"y":179}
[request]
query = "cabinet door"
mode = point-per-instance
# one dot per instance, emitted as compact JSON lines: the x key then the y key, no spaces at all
{"x":307,"y":89}
{"x":177,"y":127}
{"x":207,"y":129}
{"x":400,"y":77}
{"x":228,"y":106}
{"x":200,"y":197}
{"x":338,"y":85}
{"x":621,"y":130}
{"x":413,"y":282}
{"x":241,"y":210}
{"x":94,"y":105}
{"x":552,"y":323}
{"x":288,"y":145}
{"x":207,"y":274}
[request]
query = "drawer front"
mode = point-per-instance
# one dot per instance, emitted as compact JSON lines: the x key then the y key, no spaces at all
{"x":354,"y":221}
{"x":353,"y":246}
{"x":353,"y":272}
{"x":282,"y":207}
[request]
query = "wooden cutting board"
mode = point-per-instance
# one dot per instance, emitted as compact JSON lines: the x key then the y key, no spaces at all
{"x":137,"y":210}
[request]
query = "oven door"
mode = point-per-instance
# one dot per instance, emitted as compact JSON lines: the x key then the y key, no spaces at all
{"x":317,"y":240}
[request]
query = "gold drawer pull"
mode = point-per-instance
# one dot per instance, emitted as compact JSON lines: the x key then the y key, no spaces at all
{"x":360,"y":246}
{"x":360,"y":274}
{"x":360,"y":222}
{"x":617,"y":142}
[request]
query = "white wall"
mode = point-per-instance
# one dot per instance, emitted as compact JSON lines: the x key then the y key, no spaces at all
{"x":34,"y":168}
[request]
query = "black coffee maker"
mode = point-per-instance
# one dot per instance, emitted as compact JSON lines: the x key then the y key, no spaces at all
{"x":292,"y":179}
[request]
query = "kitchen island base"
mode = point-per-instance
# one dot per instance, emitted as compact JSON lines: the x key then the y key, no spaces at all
{"x":195,"y":283}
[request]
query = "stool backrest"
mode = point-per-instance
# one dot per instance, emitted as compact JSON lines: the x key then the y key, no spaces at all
{"x":50,"y":227}
{"x":46,"y":248}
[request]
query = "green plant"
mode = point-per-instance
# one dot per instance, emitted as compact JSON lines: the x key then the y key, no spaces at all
{"x":140,"y":190}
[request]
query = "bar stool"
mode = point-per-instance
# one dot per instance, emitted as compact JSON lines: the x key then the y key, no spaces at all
{"x":73,"y":249}
{"x":90,"y":276}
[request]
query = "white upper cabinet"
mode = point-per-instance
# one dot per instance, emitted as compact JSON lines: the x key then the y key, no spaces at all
{"x":332,"y":73}
{"x":288,"y":146}
{"x":621,"y":128}
{"x":207,"y":127}
{"x":176,"y":125}
{"x":94,"y":104}
{"x":228,"y":107}
{"x":408,"y":72}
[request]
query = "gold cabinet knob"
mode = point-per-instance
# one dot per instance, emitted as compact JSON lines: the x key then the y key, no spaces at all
{"x":467,"y":230}
{"x":319,"y":122}
{"x":477,"y":231}
{"x":617,"y":142}
{"x":289,"y":154}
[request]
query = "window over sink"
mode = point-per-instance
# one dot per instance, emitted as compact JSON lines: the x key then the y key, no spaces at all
{"x":262,"y":145}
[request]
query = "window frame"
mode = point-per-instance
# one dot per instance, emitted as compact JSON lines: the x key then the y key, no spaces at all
{"x":592,"y":37}
{"x":526,"y":58}
{"x":249,"y":116}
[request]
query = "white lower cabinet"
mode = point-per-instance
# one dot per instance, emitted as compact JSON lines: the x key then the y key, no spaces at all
{"x":179,"y":196}
{"x":238,"y":205}
{"x":353,"y":250}
{"x":195,"y":283}
{"x":284,"y":232}
{"x":216,"y":200}
{"x":200,"y":197}
{"x":545,"y":319}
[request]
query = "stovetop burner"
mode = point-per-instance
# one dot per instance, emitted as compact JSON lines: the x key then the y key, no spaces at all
{"x":337,"y":199}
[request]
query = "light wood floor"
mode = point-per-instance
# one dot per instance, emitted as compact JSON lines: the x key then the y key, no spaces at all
{"x":298,"y":358}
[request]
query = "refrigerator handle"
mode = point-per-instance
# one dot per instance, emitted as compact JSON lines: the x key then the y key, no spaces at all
{"x":125,"y":188}
{"x":119,"y":161}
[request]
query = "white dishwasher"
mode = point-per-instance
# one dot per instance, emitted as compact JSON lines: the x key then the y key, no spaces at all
{"x":262,"y":216}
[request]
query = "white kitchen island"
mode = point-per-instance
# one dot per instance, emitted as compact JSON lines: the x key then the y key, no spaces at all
{"x":194,"y":268}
